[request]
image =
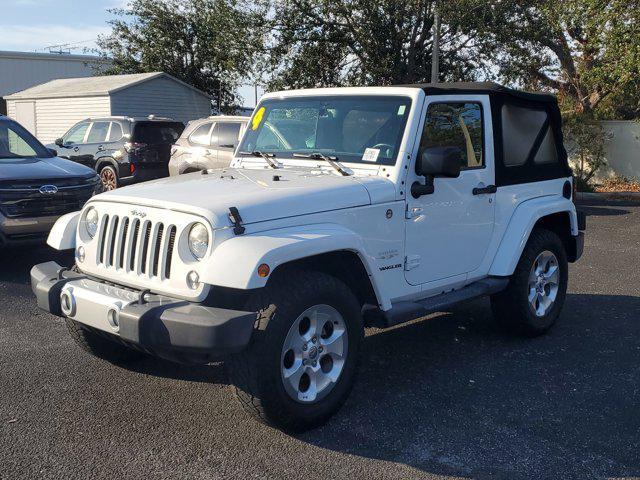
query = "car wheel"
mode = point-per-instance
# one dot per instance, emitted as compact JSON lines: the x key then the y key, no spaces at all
{"x":109,"y":178}
{"x":536,"y":292}
{"x":305,"y":351}
{"x":100,"y":346}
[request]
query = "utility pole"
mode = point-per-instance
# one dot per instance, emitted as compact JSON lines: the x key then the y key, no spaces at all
{"x":435,"y":58}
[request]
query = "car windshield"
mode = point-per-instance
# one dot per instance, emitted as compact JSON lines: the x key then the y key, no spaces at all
{"x":351,"y":128}
{"x":155,"y":133}
{"x":17,"y":142}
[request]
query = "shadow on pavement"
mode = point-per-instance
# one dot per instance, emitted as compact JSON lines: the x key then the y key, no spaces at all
{"x":452,"y":395}
{"x":17,"y":261}
{"x":592,"y":211}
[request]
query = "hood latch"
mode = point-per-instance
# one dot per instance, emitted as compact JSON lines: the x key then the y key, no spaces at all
{"x":236,"y":219}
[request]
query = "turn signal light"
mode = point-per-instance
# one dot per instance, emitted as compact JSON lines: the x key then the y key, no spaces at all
{"x":263,"y":270}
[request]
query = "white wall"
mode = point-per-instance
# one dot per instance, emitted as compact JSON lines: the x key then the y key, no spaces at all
{"x":162,"y":97}
{"x":22,"y":70}
{"x":54,"y":116}
{"x":623,"y":150}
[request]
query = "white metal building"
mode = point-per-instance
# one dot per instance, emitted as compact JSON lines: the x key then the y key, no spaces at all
{"x":21,"y":70}
{"x":50,"y":109}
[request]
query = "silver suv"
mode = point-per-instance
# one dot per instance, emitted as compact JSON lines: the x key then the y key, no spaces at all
{"x":207,"y":143}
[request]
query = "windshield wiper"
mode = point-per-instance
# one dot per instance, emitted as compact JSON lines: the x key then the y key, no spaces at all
{"x":333,"y":161}
{"x":267,"y":156}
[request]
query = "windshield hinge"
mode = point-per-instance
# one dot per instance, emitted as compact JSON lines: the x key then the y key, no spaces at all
{"x":412,"y":212}
{"x":236,"y":219}
{"x":411,"y":262}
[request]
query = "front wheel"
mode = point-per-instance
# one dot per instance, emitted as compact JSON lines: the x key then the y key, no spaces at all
{"x":305,"y":351}
{"x":536,"y":292}
{"x":99,"y":346}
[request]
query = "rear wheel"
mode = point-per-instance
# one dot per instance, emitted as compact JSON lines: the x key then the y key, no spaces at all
{"x":109,"y":178}
{"x":534,"y":298}
{"x":305,"y":351}
{"x":101,"y":347}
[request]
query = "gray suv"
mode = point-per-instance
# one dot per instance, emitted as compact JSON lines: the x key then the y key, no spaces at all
{"x":36,"y":187}
{"x":207,"y":143}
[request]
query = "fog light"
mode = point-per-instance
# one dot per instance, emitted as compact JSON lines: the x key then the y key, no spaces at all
{"x":193,"y":280}
{"x":80,"y":253}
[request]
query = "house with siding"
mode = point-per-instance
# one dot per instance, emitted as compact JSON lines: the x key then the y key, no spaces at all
{"x":50,"y":109}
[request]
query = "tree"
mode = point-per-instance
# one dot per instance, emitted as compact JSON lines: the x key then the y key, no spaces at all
{"x":588,"y":51}
{"x":369,"y":42}
{"x":209,"y":44}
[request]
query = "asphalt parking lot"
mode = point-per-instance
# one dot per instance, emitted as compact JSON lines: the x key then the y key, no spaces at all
{"x":449,"y":396}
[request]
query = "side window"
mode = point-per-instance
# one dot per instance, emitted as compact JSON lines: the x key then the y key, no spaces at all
{"x":200,"y":136}
{"x":520,"y":128}
{"x":455,"y":125}
{"x":98,"y":132}
{"x":16,"y":145}
{"x":215,"y":132}
{"x":228,"y":134}
{"x":76,"y":134}
{"x":116,"y":132}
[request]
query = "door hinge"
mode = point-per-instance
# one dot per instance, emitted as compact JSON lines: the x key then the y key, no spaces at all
{"x":412,"y":212}
{"x":411,"y":262}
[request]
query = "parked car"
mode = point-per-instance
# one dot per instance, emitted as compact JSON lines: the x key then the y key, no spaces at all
{"x":207,"y":143}
{"x":36,"y":187}
{"x":122,"y":150}
{"x":387,"y":204}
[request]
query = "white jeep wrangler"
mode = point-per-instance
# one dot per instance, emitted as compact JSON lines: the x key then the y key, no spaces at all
{"x":343,"y":208}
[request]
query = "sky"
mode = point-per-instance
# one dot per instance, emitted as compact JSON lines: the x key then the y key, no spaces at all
{"x":34,"y":25}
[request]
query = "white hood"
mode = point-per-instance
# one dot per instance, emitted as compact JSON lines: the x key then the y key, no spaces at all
{"x":257,"y":194}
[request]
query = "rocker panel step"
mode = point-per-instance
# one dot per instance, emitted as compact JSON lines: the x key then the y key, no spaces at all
{"x":402,"y":312}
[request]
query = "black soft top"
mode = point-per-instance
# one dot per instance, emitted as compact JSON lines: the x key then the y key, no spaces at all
{"x":483,"y":88}
{"x":507,"y":173}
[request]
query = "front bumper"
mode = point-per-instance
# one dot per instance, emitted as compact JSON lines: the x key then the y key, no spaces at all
{"x":173,"y":329}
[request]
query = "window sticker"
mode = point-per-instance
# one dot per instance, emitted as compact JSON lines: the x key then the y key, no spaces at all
{"x":401,"y":110}
{"x":257,"y":119}
{"x":370,"y":155}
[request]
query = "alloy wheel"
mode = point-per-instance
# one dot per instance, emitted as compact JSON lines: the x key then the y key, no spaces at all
{"x":544,"y":278}
{"x":314,"y":354}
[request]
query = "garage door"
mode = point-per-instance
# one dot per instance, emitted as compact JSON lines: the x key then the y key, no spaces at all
{"x":26,"y":115}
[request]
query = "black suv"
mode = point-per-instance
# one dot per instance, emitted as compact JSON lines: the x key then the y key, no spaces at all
{"x":123,"y":150}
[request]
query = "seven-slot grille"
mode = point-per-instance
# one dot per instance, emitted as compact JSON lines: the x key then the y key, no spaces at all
{"x":136,"y":245}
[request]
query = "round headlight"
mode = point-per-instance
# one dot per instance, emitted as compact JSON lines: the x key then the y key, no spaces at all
{"x":91,"y":221}
{"x":198,"y":240}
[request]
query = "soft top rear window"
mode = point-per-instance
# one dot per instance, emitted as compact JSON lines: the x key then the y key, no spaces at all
{"x":157,"y":132}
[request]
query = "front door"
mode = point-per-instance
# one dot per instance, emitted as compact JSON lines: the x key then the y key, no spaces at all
{"x":448,"y":232}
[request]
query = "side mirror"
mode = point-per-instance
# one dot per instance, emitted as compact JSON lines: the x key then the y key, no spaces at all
{"x":59,"y":142}
{"x":440,"y":162}
{"x":53,"y":152}
{"x":436,"y":162}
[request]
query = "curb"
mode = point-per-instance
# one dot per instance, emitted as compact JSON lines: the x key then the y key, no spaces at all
{"x":609,"y":196}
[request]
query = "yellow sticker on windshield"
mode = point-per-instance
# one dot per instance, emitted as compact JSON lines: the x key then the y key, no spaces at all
{"x":257,"y":119}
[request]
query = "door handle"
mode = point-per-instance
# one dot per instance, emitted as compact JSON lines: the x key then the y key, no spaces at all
{"x":75,"y":149}
{"x":485,"y":190}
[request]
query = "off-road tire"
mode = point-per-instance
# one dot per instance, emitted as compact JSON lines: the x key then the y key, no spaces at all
{"x":255,"y":373}
{"x":511,"y":307}
{"x":101,"y":347}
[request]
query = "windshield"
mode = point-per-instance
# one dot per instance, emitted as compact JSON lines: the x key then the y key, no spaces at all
{"x":354,"y":128}
{"x":17,"y":142}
